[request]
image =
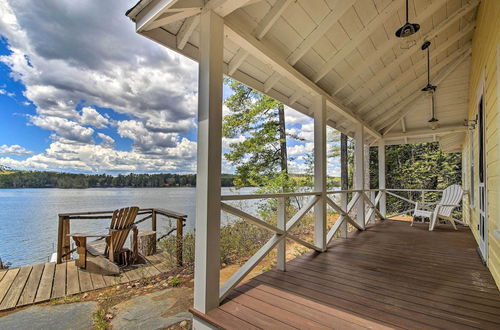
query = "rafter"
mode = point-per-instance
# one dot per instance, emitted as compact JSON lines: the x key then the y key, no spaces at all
{"x":393,"y":65}
{"x":320,"y":31}
{"x":401,"y":109}
{"x":416,"y":67}
{"x":237,"y":60}
{"x":172,"y":17}
{"x":187,"y":30}
{"x":154,"y":10}
{"x":379,"y":114}
{"x":265,"y":54}
{"x":271,"y":17}
{"x":362,"y":35}
{"x":426,"y":132}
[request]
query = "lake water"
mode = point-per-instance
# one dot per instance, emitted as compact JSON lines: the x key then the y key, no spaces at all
{"x":28,"y":217}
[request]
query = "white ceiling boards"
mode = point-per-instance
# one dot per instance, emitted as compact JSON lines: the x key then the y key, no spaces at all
{"x":347,"y":51}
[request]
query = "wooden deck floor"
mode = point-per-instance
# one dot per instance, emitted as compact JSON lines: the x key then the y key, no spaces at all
{"x":35,"y":284}
{"x":389,"y":276}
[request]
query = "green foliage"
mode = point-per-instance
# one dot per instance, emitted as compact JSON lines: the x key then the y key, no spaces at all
{"x":174,"y":281}
{"x":239,"y":240}
{"x":41,"y":179}
{"x":258,"y":158}
{"x":416,"y":166}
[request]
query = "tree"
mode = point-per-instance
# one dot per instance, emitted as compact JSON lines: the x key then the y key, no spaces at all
{"x":261,"y":159}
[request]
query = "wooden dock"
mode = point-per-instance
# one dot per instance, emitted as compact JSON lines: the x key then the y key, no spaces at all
{"x":43,"y":282}
{"x":389,"y":276}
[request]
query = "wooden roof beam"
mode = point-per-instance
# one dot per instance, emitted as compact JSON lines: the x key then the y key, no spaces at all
{"x":402,"y":108}
{"x":403,"y":76}
{"x":359,"y":37}
{"x":320,"y":31}
{"x":187,"y":30}
{"x":379,"y":75}
{"x":153,"y":10}
{"x":426,"y":132}
{"x":268,"y":56}
{"x":380,"y":113}
{"x":271,"y":17}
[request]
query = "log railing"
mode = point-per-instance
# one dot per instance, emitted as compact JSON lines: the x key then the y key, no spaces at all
{"x":63,"y":240}
{"x":285,"y":224}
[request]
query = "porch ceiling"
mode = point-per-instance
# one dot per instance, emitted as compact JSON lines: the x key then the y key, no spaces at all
{"x":345,"y":50}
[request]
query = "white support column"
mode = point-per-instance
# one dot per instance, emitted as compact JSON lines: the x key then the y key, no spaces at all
{"x":320,"y":171}
{"x":208,"y":187}
{"x":281,"y":224}
{"x":381,"y":177}
{"x":366,"y":170}
{"x":343,"y":204}
{"x":359,"y":173}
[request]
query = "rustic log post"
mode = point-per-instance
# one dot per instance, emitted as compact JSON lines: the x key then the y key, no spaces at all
{"x":179,"y":237}
{"x":153,"y":220}
{"x":63,"y":240}
{"x":66,"y":240}
{"x":146,"y":242}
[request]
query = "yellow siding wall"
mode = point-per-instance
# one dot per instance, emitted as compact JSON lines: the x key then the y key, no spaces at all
{"x":484,"y":63}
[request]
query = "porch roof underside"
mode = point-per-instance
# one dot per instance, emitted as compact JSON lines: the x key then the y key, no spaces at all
{"x":344,"y":50}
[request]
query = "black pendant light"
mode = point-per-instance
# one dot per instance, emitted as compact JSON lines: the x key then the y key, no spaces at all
{"x":433,"y":122}
{"x":409,"y":28}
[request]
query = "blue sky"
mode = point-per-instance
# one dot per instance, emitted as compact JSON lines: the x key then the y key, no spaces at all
{"x":80,"y":91}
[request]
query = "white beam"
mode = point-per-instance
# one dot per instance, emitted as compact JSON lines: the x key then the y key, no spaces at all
{"x":208,"y":186}
{"x":359,"y":175}
{"x":381,"y":113}
{"x":426,"y":132}
{"x":271,"y":17}
{"x":295,"y":96}
{"x":387,"y":47}
{"x":403,"y":125}
{"x":359,"y":37}
{"x":320,"y":167}
{"x":271,"y":81}
{"x":151,"y":12}
{"x":381,"y":178}
{"x":400,"y":110}
{"x":236,"y":61}
{"x":172,"y":17}
{"x":225,"y":7}
{"x":268,"y":56}
{"x":320,"y":31}
{"x":187,"y":30}
{"x":393,"y":65}
{"x":420,"y":65}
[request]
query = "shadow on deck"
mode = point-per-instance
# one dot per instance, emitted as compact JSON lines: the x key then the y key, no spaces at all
{"x":43,"y":282}
{"x":389,"y":276}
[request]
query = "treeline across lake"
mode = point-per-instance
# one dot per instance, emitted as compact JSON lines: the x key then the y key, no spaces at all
{"x":40,"y":179}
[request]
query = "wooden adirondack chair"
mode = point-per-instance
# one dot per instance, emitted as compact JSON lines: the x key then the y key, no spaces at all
{"x":122,"y":223}
{"x":452,"y":196}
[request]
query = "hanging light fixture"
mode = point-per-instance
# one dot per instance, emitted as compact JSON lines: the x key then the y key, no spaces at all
{"x":430,"y":88}
{"x":408,"y":28}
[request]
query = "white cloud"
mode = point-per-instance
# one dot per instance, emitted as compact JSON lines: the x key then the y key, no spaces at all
{"x":106,"y":141}
{"x":63,"y":127}
{"x":91,"y":117}
{"x":64,"y":154}
{"x":14,"y":150}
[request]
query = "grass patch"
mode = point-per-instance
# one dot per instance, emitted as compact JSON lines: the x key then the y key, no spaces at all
{"x":99,"y":320}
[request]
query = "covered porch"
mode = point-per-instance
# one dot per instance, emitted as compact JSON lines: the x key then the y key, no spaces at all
{"x":340,"y":63}
{"x":389,"y":276}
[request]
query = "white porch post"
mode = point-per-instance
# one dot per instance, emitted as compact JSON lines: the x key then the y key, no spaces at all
{"x":281,"y":224}
{"x":359,"y":173}
{"x":208,"y":187}
{"x":381,"y":177}
{"x":320,"y":171}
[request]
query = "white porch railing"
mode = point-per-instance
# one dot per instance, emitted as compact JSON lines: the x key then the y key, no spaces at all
{"x":283,"y":228}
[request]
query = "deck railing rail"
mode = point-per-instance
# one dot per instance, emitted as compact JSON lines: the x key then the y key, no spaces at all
{"x":64,"y":250}
{"x":285,"y":224}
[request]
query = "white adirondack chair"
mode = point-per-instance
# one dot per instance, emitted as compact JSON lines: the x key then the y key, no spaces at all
{"x":452,"y":196}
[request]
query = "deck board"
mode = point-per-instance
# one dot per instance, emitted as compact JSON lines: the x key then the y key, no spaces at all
{"x":42,"y":282}
{"x":390,"y":275}
{"x":12,"y":297}
{"x":29,"y":292}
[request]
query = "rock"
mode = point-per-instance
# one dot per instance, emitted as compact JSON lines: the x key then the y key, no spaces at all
{"x":85,"y":295}
{"x":183,"y":324}
{"x":109,"y":316}
{"x":54,"y":317}
{"x":157,"y":310}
